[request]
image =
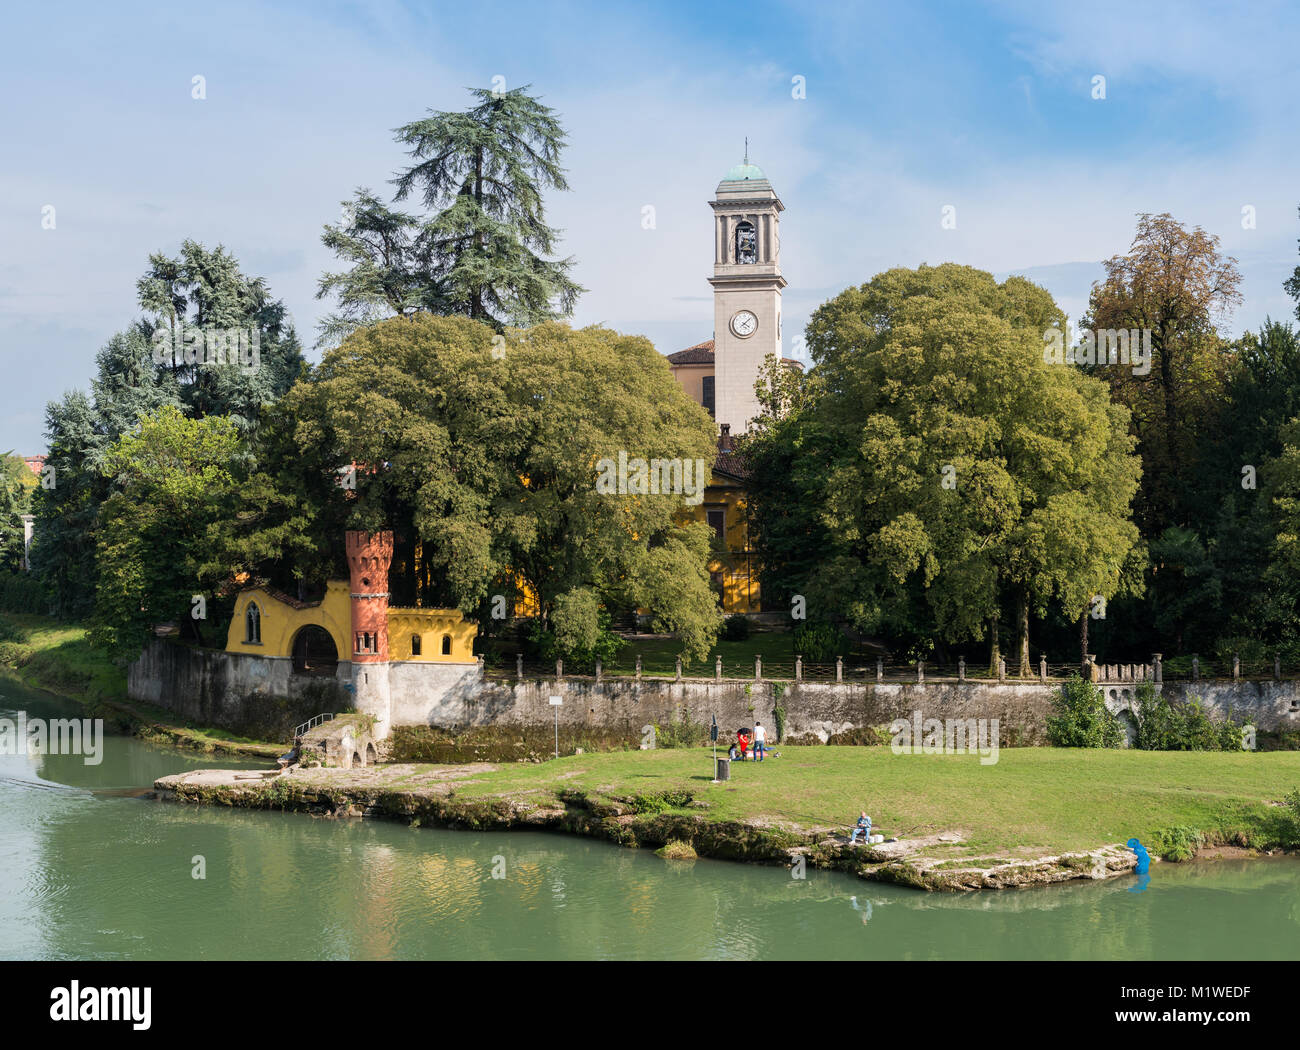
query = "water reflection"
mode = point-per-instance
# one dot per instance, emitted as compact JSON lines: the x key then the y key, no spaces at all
{"x":88,"y":872}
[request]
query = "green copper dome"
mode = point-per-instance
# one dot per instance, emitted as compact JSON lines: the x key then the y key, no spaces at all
{"x":741,"y":172}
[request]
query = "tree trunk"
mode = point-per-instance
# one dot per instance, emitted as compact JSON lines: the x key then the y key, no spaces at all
{"x":1022,"y":624}
{"x":995,"y":651}
{"x":1083,"y":637}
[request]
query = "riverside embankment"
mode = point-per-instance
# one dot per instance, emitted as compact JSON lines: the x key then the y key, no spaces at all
{"x":1038,"y":816}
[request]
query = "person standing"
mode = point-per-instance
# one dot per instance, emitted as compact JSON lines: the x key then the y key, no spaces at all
{"x":760,"y":741}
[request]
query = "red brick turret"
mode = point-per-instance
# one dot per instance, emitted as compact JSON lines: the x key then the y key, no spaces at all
{"x":369,"y":556}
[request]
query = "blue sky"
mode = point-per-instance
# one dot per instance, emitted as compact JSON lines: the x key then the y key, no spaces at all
{"x":909,"y":108}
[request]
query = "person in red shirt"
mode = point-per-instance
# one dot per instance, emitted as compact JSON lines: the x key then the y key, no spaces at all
{"x":743,"y":740}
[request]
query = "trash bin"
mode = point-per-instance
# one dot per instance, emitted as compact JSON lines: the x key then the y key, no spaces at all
{"x":723,"y":771}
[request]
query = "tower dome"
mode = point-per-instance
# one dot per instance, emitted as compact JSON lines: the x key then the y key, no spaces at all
{"x":744,"y":172}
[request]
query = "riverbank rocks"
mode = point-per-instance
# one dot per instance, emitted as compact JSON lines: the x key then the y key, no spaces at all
{"x":667,"y":822}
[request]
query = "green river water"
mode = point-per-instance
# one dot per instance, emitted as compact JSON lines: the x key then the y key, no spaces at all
{"x":89,"y":870}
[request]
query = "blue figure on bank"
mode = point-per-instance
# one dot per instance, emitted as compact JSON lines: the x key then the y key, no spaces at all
{"x":1144,"y":858}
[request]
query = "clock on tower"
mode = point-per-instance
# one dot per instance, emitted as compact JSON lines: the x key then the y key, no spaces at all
{"x":747,"y":285}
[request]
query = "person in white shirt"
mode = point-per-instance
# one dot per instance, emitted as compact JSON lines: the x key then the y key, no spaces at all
{"x":760,"y":741}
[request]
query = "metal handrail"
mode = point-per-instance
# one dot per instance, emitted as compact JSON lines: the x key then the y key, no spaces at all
{"x":312,"y":724}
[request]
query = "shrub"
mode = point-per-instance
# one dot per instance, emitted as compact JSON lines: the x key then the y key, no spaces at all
{"x":1162,"y":726}
{"x":1178,"y":843}
{"x":681,"y":732}
{"x":735,"y":628}
{"x":21,"y":592}
{"x":1293,"y":805}
{"x":1080,"y":718}
{"x":818,"y":641}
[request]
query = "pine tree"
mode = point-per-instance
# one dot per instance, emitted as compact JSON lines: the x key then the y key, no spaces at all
{"x":483,"y":173}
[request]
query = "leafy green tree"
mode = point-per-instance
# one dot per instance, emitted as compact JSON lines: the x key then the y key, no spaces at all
{"x":482,"y":453}
{"x":182,"y":520}
{"x":388,"y":276}
{"x":15,"y":501}
{"x":482,"y":173}
{"x":1175,"y":283}
{"x":962,"y":469}
{"x":205,"y":289}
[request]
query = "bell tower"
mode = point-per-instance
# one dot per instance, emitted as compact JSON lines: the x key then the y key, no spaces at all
{"x":747,"y":285}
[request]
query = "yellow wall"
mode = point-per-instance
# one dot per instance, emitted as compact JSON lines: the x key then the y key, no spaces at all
{"x":281,"y":623}
{"x":431,"y":625}
{"x":691,"y":379}
{"x":740,"y":589}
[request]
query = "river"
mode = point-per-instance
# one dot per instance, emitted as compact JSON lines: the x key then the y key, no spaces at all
{"x":90,"y":870}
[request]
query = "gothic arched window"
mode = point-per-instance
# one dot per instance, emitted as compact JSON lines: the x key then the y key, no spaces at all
{"x":446,"y":645}
{"x":253,"y":624}
{"x":746,"y":243}
{"x":415,"y":644}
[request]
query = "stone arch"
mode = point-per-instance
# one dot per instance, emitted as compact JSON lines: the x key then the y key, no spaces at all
{"x":372,"y":756}
{"x":253,"y":624}
{"x":314,"y":651}
{"x":1128,"y":724}
{"x":357,"y":760}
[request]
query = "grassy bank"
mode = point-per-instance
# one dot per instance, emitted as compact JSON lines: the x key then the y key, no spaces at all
{"x":1038,"y":815}
{"x":57,"y":657}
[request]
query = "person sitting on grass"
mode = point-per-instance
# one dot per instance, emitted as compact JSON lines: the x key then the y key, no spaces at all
{"x":864,"y":826}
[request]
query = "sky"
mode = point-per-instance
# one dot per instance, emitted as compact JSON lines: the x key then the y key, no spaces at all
{"x":987,"y":109}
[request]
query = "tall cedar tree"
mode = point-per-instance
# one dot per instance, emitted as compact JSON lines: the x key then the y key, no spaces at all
{"x":483,"y":173}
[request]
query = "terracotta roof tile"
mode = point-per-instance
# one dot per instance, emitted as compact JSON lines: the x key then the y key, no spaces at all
{"x":699,"y":354}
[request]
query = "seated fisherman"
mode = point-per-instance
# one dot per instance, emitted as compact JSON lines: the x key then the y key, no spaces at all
{"x":863,"y":826}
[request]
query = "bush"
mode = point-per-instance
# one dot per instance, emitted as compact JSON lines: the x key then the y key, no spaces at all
{"x":1293,"y":805}
{"x":735,"y":628}
{"x":1080,"y":718}
{"x":818,"y":641}
{"x":21,"y":592}
{"x":681,"y":732}
{"x":1178,"y":843}
{"x":1162,"y":726}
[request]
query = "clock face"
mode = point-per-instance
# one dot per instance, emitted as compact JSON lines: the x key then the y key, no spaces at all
{"x":744,"y":324}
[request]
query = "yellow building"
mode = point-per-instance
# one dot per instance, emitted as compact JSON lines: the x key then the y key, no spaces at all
{"x":316,"y":635}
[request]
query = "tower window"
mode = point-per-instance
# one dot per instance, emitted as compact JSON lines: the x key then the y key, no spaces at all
{"x":706,"y":393}
{"x":446,"y":645}
{"x":253,"y":624}
{"x":746,"y":243}
{"x":415,"y":645}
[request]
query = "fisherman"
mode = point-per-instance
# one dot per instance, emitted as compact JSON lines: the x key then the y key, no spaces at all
{"x":863,"y":826}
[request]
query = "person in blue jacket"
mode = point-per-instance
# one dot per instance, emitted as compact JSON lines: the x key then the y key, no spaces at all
{"x":1144,"y":858}
{"x":863,"y":827}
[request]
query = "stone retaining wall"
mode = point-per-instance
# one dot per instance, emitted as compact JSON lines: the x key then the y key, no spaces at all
{"x":239,"y":691}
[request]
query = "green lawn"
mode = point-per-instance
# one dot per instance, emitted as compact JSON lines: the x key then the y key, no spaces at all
{"x":1032,"y":801}
{"x":49,"y":654}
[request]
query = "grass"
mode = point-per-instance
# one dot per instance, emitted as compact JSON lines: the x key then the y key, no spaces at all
{"x":1031,"y":802}
{"x":57,"y":656}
